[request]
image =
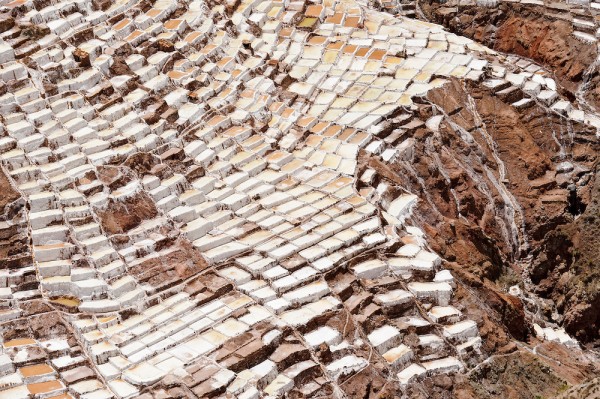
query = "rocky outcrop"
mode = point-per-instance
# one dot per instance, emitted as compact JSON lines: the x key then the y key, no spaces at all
{"x":566,"y":266}
{"x":561,"y":262}
{"x":537,"y":32}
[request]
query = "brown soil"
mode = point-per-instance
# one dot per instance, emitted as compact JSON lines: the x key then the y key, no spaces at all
{"x":461,"y":205}
{"x":180,"y":263}
{"x":523,"y":142}
{"x":15,"y":251}
{"x":526,"y":30}
{"x":567,"y":267}
{"x":120,"y":217}
{"x":34,"y":307}
{"x":47,"y":325}
{"x":142,"y":162}
{"x":38,"y":326}
{"x":369,"y":383}
{"x":522,"y":375}
{"x":588,"y":390}
{"x":9,"y":195}
{"x":497,"y":314}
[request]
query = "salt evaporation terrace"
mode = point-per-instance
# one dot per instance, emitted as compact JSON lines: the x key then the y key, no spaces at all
{"x":194,"y":208}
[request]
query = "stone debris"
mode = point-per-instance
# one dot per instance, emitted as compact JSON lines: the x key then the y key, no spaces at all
{"x":195,"y":202}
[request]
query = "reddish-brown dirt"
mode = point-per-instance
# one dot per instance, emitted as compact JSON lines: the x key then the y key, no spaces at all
{"x":523,"y":375}
{"x":566,"y":268}
{"x":181,"y":262}
{"x":547,"y":42}
{"x":587,"y":390}
{"x":40,"y":326}
{"x":120,"y":217}
{"x":14,"y":243}
{"x":9,"y":195}
{"x":526,"y":30}
{"x":491,"y":308}
{"x":524,"y":143}
{"x":462,"y":206}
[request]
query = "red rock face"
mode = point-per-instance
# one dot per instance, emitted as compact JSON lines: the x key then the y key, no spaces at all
{"x":535,"y":32}
{"x":562,"y":260}
{"x":547,"y":42}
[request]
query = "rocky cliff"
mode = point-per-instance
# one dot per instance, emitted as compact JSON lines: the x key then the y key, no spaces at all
{"x":561,"y":263}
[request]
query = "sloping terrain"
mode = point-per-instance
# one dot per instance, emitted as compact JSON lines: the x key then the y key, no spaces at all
{"x":262,"y":199}
{"x":562,"y":37}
